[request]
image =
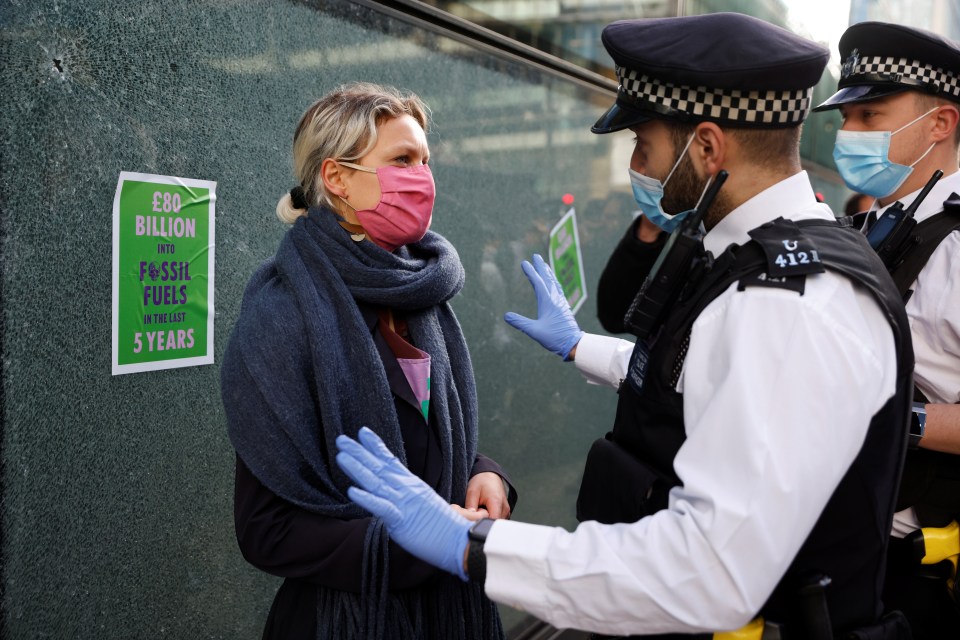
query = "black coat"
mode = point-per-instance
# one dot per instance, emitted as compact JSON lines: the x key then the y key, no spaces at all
{"x":311,"y":550}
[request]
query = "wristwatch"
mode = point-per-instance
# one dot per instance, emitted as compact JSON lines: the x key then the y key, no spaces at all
{"x":918,"y":422}
{"x":476,"y":559}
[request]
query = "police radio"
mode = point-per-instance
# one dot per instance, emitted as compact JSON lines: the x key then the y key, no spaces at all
{"x":670,"y":272}
{"x":891,"y":236}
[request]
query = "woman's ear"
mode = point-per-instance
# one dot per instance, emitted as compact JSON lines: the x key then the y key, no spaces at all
{"x":709,"y":148}
{"x":332,"y":177}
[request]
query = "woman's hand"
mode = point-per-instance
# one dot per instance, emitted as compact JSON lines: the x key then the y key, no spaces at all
{"x":486,"y":491}
{"x":471,"y":514}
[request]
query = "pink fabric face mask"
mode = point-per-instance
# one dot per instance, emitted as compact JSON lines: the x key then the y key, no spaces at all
{"x":405,"y":209}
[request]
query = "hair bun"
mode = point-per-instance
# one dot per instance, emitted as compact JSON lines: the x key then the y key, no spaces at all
{"x":298,"y":197}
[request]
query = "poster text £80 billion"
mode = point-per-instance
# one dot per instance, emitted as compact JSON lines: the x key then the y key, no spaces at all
{"x":163,"y":267}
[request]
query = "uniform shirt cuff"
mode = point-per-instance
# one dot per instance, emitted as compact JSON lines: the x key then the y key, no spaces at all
{"x":603,"y":359}
{"x":516,"y":551}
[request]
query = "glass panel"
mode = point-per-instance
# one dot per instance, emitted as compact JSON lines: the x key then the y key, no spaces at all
{"x":117,"y":491}
{"x":570,"y":29}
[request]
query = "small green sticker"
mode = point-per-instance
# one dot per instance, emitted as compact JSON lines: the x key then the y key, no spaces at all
{"x":566,"y":260}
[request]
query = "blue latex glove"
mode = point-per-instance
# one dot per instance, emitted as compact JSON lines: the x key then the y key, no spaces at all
{"x":555,"y":327}
{"x":416,"y":517}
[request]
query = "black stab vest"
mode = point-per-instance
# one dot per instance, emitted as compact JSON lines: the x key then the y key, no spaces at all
{"x":849,"y":540}
{"x":931,"y":479}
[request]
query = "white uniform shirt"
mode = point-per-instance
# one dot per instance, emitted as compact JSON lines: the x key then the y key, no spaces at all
{"x":771,"y":429}
{"x":934,"y":313}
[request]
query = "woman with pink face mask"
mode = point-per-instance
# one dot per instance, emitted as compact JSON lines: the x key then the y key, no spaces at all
{"x":349,"y":325}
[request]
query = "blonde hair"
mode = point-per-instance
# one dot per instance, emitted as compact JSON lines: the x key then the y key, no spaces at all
{"x":342,"y":125}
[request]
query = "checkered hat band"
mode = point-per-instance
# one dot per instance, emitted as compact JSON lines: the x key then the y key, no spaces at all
{"x":732,"y":105}
{"x":914,"y":70}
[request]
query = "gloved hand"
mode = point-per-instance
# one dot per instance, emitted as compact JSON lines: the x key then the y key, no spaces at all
{"x":555,"y":327}
{"x":416,"y":517}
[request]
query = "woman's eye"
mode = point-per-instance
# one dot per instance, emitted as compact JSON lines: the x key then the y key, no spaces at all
{"x":402,"y":159}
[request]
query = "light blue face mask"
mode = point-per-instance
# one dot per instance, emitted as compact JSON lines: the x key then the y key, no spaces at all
{"x":863,"y":162}
{"x":648,"y":192}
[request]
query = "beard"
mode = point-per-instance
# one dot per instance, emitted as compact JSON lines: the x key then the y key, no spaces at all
{"x":683,"y":189}
{"x":683,"y":192}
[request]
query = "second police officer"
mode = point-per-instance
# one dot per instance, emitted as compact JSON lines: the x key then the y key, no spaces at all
{"x":741,"y":477}
{"x":899,"y":95}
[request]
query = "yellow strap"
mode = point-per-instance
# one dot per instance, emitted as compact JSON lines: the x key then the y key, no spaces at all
{"x":941,"y":543}
{"x":753,"y":630}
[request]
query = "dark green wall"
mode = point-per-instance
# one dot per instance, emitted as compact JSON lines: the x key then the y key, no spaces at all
{"x":117,"y":491}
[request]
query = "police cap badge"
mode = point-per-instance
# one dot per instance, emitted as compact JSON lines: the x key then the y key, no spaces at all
{"x":881,"y":59}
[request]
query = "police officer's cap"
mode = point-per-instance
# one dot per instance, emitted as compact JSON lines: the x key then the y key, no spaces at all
{"x":880,"y":59}
{"x":727,"y":68}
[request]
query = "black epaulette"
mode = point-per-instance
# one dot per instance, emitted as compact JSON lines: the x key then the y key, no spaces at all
{"x":792,"y":283}
{"x":790,"y":257}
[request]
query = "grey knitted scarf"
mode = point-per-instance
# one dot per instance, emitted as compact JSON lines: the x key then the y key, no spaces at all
{"x":299,"y":323}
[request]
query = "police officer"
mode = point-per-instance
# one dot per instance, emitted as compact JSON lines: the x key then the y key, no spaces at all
{"x":899,"y":95}
{"x":742,"y":477}
{"x":625,"y":270}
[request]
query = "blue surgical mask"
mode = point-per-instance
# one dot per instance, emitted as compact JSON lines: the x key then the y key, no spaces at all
{"x":648,"y":192}
{"x":864,"y":164}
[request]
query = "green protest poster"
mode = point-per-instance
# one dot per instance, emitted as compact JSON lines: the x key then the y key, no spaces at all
{"x":163,"y":266}
{"x":566,"y":260}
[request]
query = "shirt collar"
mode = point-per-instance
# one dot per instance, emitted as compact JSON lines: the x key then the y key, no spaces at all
{"x":933,"y":203}
{"x":792,"y":198}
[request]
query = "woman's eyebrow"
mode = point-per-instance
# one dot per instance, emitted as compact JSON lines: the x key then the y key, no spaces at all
{"x":408,"y":147}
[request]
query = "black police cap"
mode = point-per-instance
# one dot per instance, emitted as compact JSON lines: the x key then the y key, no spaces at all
{"x":727,"y":68}
{"x":881,"y":59}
